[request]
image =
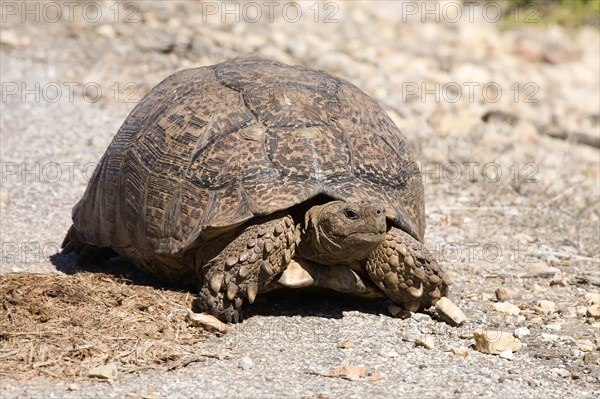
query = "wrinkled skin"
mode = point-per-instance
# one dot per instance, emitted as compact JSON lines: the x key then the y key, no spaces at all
{"x":341,"y":232}
{"x":349,"y":234}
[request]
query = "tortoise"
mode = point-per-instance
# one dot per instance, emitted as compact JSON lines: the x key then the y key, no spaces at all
{"x":251,"y":175}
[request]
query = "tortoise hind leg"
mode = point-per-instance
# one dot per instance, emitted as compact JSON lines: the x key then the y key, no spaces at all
{"x":406,"y":272}
{"x":85,"y":252}
{"x":246,"y":265}
{"x":72,"y":242}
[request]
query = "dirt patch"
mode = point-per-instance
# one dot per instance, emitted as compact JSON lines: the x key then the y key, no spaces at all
{"x":63,"y":326}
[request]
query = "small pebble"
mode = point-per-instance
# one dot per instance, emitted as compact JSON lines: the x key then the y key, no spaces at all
{"x":523,"y":238}
{"x":345,"y":345}
{"x":449,"y":312}
{"x":546,"y":307}
{"x":4,"y":198}
{"x":487,"y":297}
{"x":460,"y":351}
{"x":207,"y":322}
{"x":106,"y":372}
{"x":73,"y":387}
{"x":508,"y":308}
{"x":541,"y":270}
{"x":593,"y":311}
{"x":585,"y":345}
{"x":538,"y":288}
{"x":592,"y":358}
{"x":349,"y":372}
{"x":495,"y":341}
{"x":581,"y":311}
{"x":532,"y":383}
{"x":558,"y":280}
{"x":521,"y":332}
{"x":106,"y":31}
{"x":553,"y":326}
{"x":575,"y":375}
{"x":592,"y":298}
{"x":502,"y":294}
{"x":420,"y":317}
{"x":551,"y":258}
{"x":390,"y":354}
{"x":507,"y":354}
{"x":13,"y":38}
{"x":246,"y":363}
{"x":426,"y":342}
{"x":549,"y":337}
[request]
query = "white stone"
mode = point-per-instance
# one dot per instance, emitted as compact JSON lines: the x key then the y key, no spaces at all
{"x":508,"y":308}
{"x":593,"y":311}
{"x":553,"y":326}
{"x":449,"y":312}
{"x":420,"y":317}
{"x":521,"y":332}
{"x":495,"y":341}
{"x":549,"y":337}
{"x":107,"y":371}
{"x":426,"y":342}
{"x":578,"y":353}
{"x":592,"y":298}
{"x":245,"y":363}
{"x":585,"y":345}
{"x":207,"y":322}
{"x":12,"y":38}
{"x":545,"y":306}
{"x":460,"y":351}
{"x":106,"y":31}
{"x":581,"y":310}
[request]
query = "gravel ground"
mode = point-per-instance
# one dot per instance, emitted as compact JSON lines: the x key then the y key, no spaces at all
{"x":505,"y":123}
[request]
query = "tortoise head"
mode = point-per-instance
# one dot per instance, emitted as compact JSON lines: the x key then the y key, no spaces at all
{"x":340,"y":232}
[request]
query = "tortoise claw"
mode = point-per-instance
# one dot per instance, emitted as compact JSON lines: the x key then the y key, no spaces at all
{"x":236,"y":275}
{"x":406,"y":272}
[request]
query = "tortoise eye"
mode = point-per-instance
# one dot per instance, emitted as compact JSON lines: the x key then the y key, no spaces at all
{"x":350,"y":214}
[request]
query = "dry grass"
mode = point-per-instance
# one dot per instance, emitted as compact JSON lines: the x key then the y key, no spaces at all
{"x":62,"y":326}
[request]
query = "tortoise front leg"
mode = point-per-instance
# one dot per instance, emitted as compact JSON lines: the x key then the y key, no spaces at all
{"x":406,"y":271}
{"x":245,"y":267}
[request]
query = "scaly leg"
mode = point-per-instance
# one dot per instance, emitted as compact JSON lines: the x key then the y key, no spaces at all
{"x":405,"y":270}
{"x":246,"y":265}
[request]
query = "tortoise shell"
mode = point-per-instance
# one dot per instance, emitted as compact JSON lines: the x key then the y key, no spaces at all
{"x":211,"y":148}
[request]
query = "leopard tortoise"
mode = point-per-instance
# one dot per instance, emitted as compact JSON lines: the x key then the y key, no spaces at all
{"x":252,"y":175}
